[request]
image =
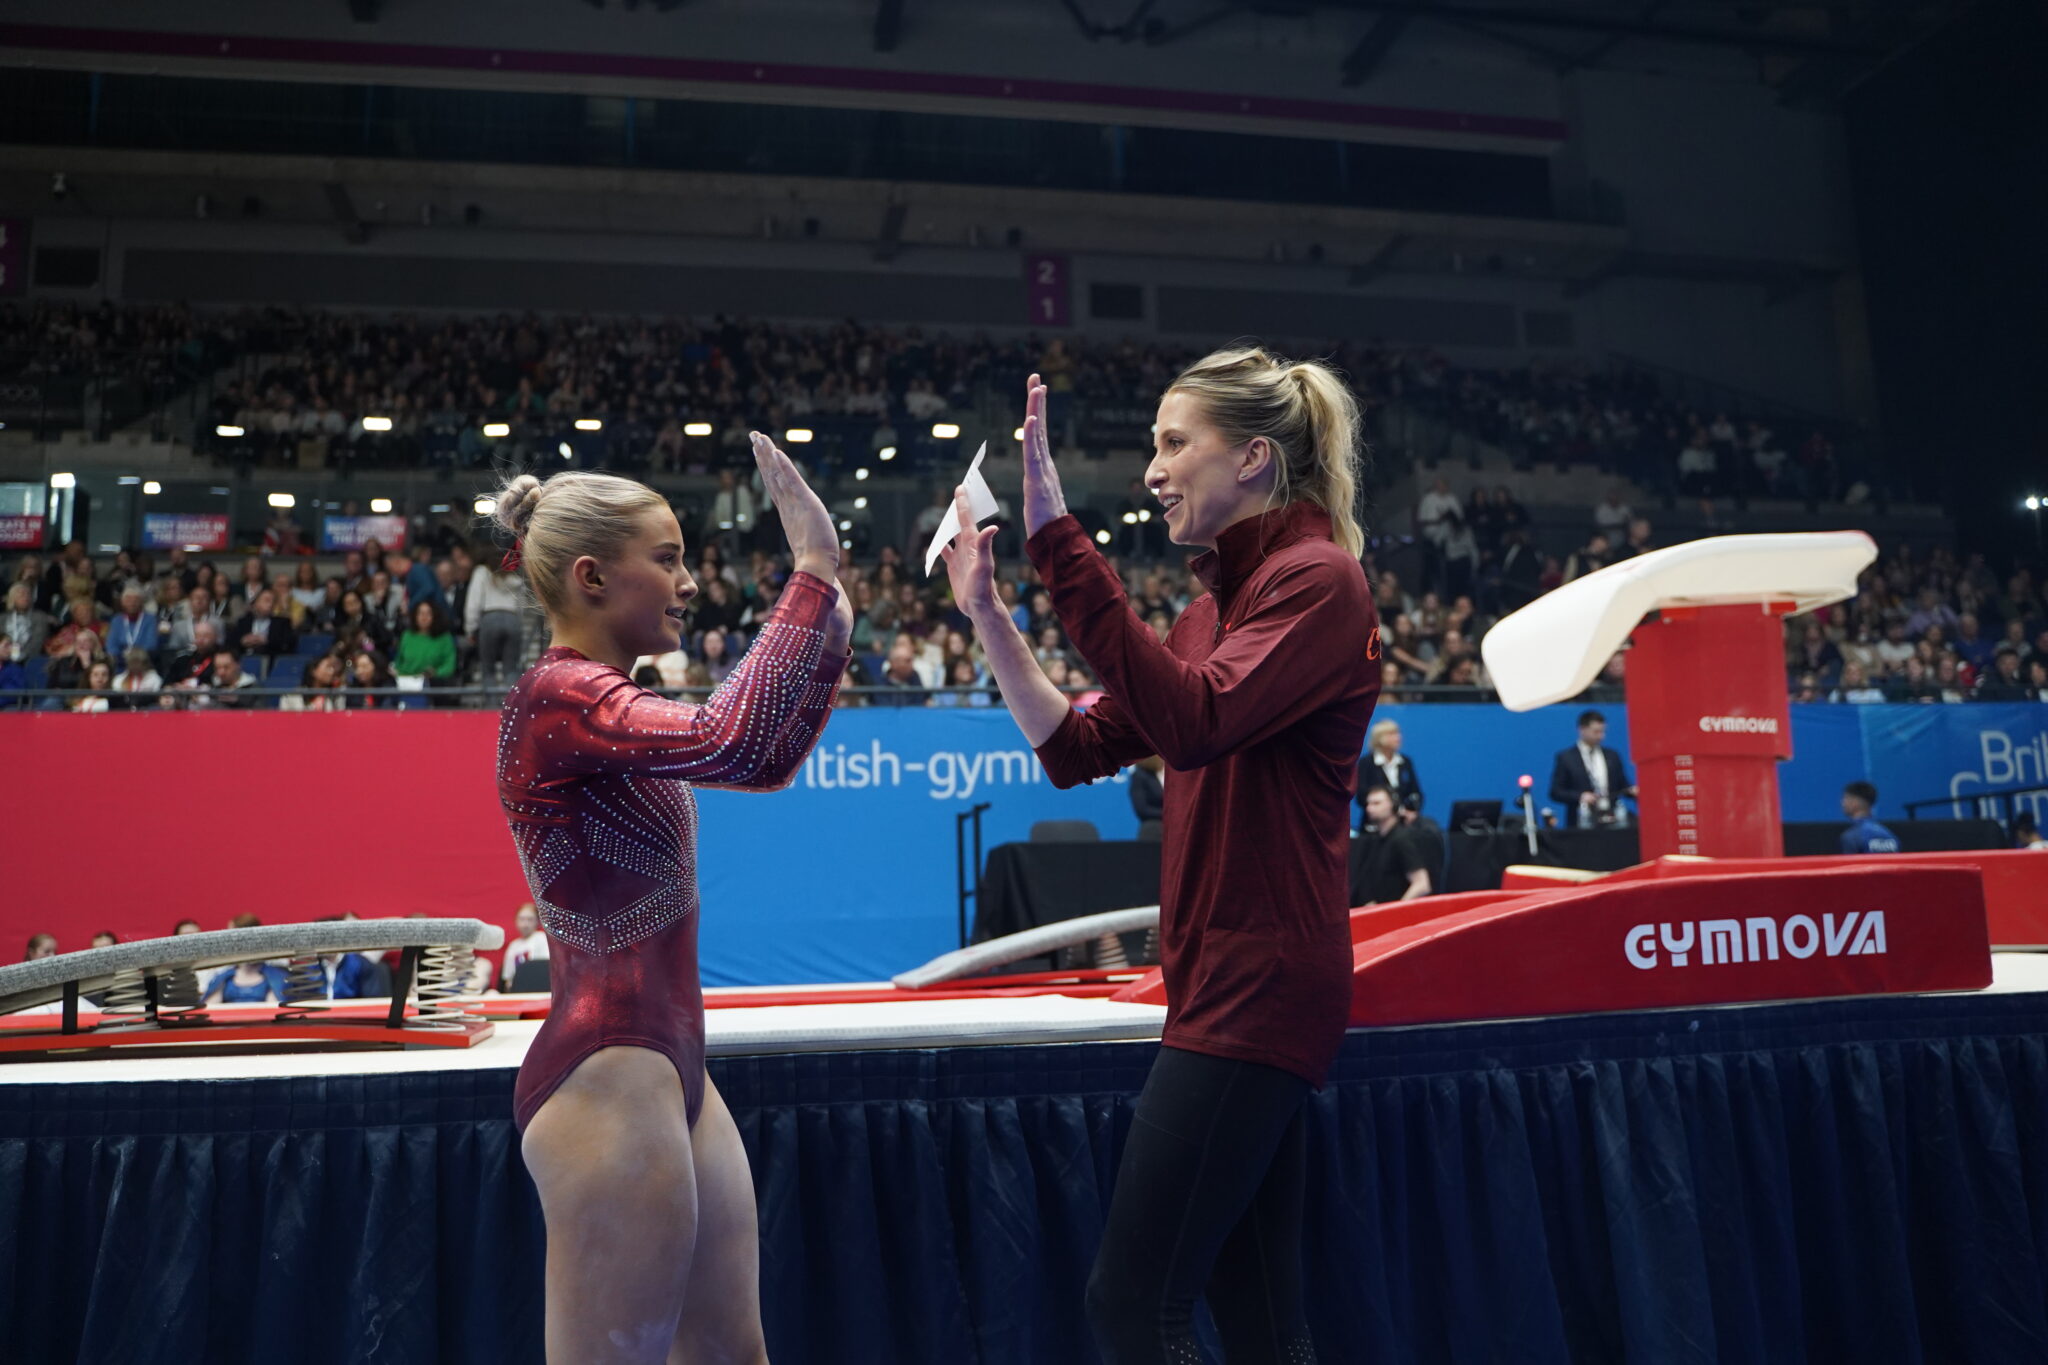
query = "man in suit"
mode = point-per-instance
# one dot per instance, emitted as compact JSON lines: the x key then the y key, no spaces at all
{"x":262,"y":631}
{"x":1589,"y":772}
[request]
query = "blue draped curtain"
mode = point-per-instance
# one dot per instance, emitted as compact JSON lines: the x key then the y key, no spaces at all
{"x":1863,"y":1181}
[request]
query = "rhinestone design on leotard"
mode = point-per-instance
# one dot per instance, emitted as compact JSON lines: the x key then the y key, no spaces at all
{"x":595,"y":775}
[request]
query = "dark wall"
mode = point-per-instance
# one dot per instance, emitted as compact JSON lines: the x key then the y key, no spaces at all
{"x":1948,"y":147}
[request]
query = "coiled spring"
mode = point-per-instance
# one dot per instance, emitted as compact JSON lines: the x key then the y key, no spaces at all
{"x":305,"y":979}
{"x":442,"y":982}
{"x":176,"y":991}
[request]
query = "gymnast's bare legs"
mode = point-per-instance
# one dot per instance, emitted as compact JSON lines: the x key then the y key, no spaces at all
{"x":652,"y":1249}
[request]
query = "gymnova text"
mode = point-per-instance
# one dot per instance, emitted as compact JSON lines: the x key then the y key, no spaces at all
{"x":948,"y":775}
{"x":1741,"y":725}
{"x":1723,"y":941}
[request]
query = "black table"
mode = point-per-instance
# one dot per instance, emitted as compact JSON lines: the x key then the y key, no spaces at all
{"x":1477,"y":860}
{"x":1026,"y":885}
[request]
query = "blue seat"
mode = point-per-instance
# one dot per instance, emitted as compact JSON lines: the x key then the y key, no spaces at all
{"x":252,"y":664}
{"x":286,"y":671}
{"x":315,"y":645}
{"x":36,"y":670}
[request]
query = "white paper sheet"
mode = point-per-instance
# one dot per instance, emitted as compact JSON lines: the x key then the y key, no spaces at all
{"x":980,"y":501}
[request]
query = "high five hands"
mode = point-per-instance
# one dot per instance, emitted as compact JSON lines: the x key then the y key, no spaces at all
{"x":1043,"y":499}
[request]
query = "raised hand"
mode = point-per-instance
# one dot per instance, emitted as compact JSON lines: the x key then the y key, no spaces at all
{"x":813,"y":539}
{"x":1043,"y":499}
{"x":971,"y":566}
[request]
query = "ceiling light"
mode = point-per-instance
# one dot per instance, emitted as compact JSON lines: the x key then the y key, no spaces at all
{"x":589,"y":424}
{"x":226,"y":430}
{"x":696,"y":428}
{"x":63,"y":481}
{"x":283,"y":500}
{"x":861,"y":473}
{"x":376,"y":424}
{"x":152,"y":488}
{"x":1017,"y":435}
{"x":497,"y":429}
{"x":860,"y":504}
{"x":1102,"y":537}
{"x":944,"y":431}
{"x":886,"y":453}
{"x":380,"y":506}
{"x":485,"y":506}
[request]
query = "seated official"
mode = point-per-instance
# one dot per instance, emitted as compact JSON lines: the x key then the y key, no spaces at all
{"x":1388,"y":863}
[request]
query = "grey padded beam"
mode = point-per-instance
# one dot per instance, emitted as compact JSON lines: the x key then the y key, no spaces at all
{"x":981,"y":958}
{"x":27,"y":984}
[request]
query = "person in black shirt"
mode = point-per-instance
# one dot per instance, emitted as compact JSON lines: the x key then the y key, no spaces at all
{"x":1387,"y":861}
{"x":1148,"y":797}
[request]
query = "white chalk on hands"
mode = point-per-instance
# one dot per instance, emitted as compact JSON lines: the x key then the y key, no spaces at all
{"x":980,"y":501}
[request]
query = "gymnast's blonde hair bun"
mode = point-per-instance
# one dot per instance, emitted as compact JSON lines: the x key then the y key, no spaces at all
{"x":516,"y":502}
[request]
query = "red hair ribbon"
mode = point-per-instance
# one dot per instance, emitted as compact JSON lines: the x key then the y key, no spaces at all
{"x":511,"y":561}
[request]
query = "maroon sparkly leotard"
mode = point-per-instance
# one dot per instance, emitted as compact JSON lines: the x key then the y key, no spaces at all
{"x":595,"y":773}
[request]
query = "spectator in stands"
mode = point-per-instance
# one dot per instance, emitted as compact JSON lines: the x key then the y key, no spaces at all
{"x":1613,"y":514}
{"x":717,"y":659}
{"x":323,"y":687}
{"x":1590,"y":778}
{"x":900,"y":675}
{"x":1435,"y":516}
{"x":1698,"y":467}
{"x":307,"y":590}
{"x":385,"y":602}
{"x":344,"y":976}
{"x":960,"y":674}
{"x":40,"y":946}
{"x":1387,"y":863}
{"x":527,"y":944}
{"x":133,"y":627}
{"x":185,"y":926}
{"x":1856,"y":687}
{"x":496,"y":597}
{"x":253,"y":582}
{"x":246,"y":983}
{"x":193,"y":666}
{"x":138,"y":682}
{"x":80,"y":618}
{"x":367,"y":673}
{"x":68,"y":672}
{"x":13,"y":677}
{"x":23,"y":624}
{"x":1893,"y":651}
{"x":198,"y":606}
{"x":354,"y":616}
{"x":1592,"y":557}
{"x":262,"y":631}
{"x":1864,"y":834}
{"x":1638,"y":541}
{"x":99,"y":677}
{"x":1930,"y":610}
{"x":426,"y":649}
{"x":1815,"y":652}
{"x":2002,"y":681}
{"x":225,"y":684}
{"x":2037,"y":677}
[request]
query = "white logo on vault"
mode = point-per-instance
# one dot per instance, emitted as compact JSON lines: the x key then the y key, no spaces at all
{"x":1723,"y":941}
{"x":1752,"y":725}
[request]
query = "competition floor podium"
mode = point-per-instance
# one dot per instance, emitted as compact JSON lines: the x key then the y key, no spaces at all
{"x":1708,"y":714}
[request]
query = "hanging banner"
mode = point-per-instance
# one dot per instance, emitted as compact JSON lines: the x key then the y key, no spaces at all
{"x":352,"y":533}
{"x":185,"y":530}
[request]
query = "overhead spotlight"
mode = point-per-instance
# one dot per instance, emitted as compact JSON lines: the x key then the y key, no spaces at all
{"x":152,"y":488}
{"x":496,"y":429}
{"x":2033,"y":504}
{"x":485,"y":506}
{"x":128,"y":480}
{"x":886,"y":453}
{"x":589,"y":424}
{"x":376,"y":424}
{"x":562,"y":449}
{"x":228,"y":430}
{"x":846,"y":526}
{"x":944,"y":431}
{"x":381,"y":506}
{"x":1130,"y":518}
{"x":860,"y":504}
{"x":846,"y":545}
{"x":696,"y":428}
{"x":797,"y":436}
{"x":283,"y":500}
{"x":1102,"y":537}
{"x":63,"y":480}
{"x":1017,"y":435}
{"x":861,"y":473}
{"x":1144,"y":514}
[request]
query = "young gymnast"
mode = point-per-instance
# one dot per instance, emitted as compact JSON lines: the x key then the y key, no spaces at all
{"x":1258,"y":700}
{"x":652,"y":1247}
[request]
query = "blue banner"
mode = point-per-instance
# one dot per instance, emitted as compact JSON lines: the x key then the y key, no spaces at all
{"x":849,"y":875}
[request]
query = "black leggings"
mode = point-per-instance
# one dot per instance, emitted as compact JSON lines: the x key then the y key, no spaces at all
{"x":1208,"y":1201}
